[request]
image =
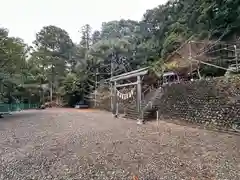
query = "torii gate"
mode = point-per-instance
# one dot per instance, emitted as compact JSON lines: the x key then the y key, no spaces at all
{"x":137,"y":73}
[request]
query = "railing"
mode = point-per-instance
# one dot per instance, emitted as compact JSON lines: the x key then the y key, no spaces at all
{"x":8,"y":108}
{"x":146,"y":91}
{"x":150,"y":102}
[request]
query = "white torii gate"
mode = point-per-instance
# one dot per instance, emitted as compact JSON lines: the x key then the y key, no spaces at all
{"x":138,"y":73}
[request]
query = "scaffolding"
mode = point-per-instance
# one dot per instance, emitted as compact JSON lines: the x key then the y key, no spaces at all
{"x":231,"y":52}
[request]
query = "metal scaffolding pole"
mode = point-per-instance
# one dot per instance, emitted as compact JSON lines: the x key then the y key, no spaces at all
{"x":236,"y":57}
{"x":190,"y":58}
{"x":111,"y":86}
{"x":202,"y":62}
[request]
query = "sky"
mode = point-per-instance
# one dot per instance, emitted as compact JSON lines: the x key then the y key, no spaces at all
{"x":24,"y":18}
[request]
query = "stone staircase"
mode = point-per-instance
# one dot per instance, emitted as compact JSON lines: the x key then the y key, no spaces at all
{"x":150,"y":100}
{"x":131,"y":112}
{"x":148,"y":106}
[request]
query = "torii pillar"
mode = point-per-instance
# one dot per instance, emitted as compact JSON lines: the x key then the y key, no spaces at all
{"x":139,"y":100}
{"x":114,"y":107}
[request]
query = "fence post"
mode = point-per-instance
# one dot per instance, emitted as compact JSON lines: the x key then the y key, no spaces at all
{"x":116,"y":115}
{"x":157,"y":120}
{"x":9,"y":108}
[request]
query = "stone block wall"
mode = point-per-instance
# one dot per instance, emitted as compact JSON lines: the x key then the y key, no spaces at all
{"x":211,"y":103}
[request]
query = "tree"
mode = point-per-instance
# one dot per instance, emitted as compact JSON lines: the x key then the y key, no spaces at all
{"x":70,"y":69}
{"x":14,"y":70}
{"x":86,"y":36}
{"x":54,"y":45}
{"x":96,"y":36}
{"x":12,"y":53}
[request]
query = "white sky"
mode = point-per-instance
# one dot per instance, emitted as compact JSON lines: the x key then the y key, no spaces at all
{"x":24,"y":18}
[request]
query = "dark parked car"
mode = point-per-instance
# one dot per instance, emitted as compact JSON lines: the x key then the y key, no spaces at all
{"x":81,"y":105}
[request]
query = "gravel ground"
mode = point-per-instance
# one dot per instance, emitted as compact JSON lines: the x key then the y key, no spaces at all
{"x":69,"y":144}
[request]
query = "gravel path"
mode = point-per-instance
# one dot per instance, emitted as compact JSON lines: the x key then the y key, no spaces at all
{"x":69,"y":144}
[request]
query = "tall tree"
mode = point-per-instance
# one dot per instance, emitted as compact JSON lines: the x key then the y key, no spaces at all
{"x":56,"y":46}
{"x":13,"y":65}
{"x":86,"y":36}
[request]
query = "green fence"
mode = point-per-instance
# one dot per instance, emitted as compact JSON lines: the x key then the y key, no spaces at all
{"x":8,"y":108}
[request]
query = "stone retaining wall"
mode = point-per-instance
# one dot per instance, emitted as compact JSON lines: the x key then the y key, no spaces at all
{"x":103,"y":99}
{"x":212,"y":103}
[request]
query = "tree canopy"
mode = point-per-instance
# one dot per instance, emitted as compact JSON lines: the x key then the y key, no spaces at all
{"x":55,"y":68}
